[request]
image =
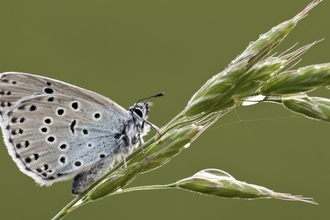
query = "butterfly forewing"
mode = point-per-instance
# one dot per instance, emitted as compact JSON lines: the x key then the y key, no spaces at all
{"x":15,"y":87}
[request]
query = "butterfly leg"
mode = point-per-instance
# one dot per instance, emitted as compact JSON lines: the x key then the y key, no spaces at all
{"x":123,"y":158}
{"x":85,"y":179}
{"x":141,"y":142}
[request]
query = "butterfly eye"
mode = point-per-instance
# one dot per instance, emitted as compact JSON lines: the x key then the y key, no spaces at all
{"x":138,"y":111}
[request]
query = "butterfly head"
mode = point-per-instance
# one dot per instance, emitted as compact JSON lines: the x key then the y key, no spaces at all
{"x":140,"y":113}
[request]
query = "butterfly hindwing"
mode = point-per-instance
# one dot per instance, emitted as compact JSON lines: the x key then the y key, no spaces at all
{"x":56,"y":141}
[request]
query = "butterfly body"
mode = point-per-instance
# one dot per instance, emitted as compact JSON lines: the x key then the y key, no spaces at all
{"x":55,"y":131}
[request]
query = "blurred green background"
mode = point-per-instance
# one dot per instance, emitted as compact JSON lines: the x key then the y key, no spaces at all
{"x":126,"y":50}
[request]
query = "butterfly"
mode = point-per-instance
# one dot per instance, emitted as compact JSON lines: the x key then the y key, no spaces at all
{"x":55,"y":131}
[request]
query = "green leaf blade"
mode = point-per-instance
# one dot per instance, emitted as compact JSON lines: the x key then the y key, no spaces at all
{"x":301,"y":80}
{"x":219,"y":183}
{"x":311,"y":107}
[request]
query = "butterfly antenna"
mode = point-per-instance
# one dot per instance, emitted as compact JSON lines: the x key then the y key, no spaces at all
{"x":149,"y":97}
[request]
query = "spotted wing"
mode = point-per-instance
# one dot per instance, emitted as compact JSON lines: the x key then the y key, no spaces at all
{"x":53,"y":130}
{"x":16,"y":87}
